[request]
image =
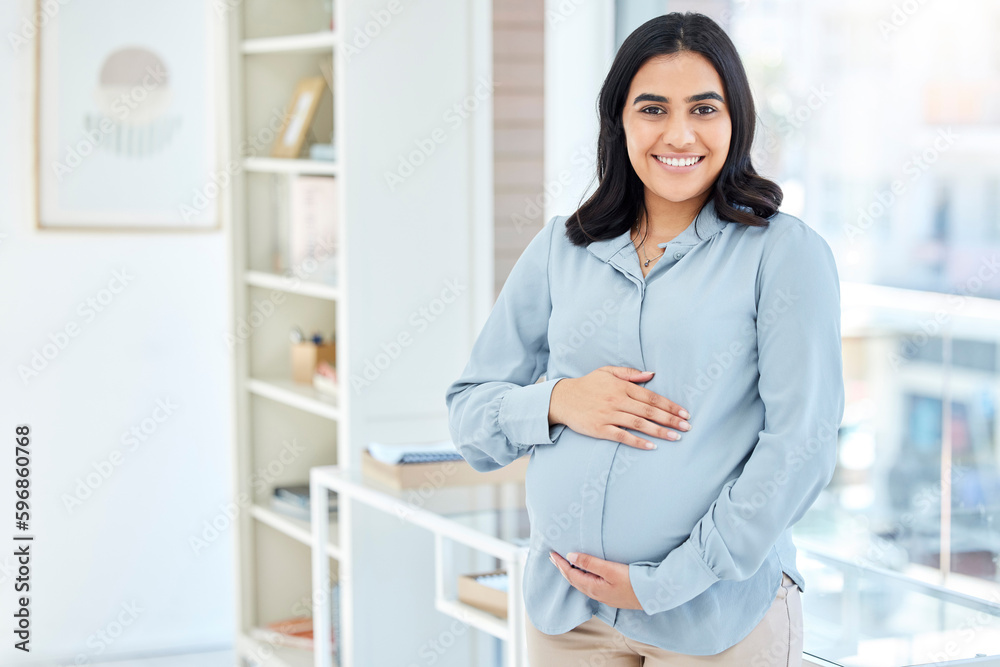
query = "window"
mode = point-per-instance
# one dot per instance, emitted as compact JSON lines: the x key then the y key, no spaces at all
{"x":915,"y":500}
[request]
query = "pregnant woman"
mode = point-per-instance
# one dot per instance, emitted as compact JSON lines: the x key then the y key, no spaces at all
{"x":689,"y":337}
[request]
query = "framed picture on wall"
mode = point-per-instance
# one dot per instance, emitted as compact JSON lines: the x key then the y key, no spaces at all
{"x":124,"y":110}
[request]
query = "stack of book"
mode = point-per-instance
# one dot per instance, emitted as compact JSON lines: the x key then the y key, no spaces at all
{"x":297,"y":632}
{"x":305,"y":232}
{"x":438,"y":463}
{"x":293,"y":500}
{"x":312,"y":233}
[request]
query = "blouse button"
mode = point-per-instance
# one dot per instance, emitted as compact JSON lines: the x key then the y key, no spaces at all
{"x":678,"y":255}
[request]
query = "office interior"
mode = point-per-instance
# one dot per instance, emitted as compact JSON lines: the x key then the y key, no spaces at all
{"x":154,"y":313}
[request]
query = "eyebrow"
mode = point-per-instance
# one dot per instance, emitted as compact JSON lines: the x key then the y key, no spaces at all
{"x":650,"y":97}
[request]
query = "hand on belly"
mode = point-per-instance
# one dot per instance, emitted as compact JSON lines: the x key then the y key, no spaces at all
{"x":604,"y":402}
{"x":601,"y":580}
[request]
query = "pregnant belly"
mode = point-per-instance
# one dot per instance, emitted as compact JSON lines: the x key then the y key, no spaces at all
{"x":595,"y":496}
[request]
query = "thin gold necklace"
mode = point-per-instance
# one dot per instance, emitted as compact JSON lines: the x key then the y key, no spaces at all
{"x":642,"y":246}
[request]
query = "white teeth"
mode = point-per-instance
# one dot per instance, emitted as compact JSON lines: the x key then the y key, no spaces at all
{"x":675,"y":162}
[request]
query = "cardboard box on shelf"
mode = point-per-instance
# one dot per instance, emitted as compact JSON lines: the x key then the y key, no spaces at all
{"x":481,"y":596}
{"x":439,"y":473}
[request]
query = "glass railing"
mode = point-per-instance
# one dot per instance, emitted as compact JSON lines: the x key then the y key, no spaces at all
{"x":861,"y":615}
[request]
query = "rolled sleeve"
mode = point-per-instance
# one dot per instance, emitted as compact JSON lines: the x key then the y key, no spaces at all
{"x":497,"y":409}
{"x":802,"y":389}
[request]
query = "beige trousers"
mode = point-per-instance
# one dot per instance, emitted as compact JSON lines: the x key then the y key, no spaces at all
{"x":777,"y":640}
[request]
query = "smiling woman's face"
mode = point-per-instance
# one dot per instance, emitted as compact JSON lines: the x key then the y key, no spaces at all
{"x":676,"y":108}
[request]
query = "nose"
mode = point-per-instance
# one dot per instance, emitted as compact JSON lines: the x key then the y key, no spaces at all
{"x":677,"y":131}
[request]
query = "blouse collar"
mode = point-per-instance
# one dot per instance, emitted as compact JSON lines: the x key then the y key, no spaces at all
{"x":706,"y":224}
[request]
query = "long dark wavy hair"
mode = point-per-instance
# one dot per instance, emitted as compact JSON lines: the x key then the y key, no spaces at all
{"x":739,"y":193}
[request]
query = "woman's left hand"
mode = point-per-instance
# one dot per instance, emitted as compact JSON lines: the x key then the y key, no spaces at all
{"x":604,"y":580}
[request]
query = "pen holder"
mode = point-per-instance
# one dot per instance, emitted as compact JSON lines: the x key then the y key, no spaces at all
{"x":307,"y":355}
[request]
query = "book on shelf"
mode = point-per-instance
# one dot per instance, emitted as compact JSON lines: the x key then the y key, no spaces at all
{"x":293,"y":500}
{"x":335,"y":617}
{"x":279,"y":229}
{"x":415,"y":452}
{"x":325,"y":152}
{"x":296,"y":632}
{"x":313,"y":236}
{"x":410,"y":465}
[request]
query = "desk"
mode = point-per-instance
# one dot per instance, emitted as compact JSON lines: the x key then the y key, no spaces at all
{"x":450,"y":514}
{"x":853,"y":615}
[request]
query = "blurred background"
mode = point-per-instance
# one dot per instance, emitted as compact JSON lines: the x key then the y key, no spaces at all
{"x":185,"y":183}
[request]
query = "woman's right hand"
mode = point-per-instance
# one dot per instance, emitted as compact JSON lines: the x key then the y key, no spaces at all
{"x":604,"y":402}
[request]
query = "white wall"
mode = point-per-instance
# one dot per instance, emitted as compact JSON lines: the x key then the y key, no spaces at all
{"x":579,"y":49}
{"x":160,"y":338}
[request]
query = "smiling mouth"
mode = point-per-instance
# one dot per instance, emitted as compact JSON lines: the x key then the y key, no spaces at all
{"x":679,"y":162}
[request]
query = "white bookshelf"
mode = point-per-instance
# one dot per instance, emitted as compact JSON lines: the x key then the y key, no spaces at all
{"x":291,"y":284}
{"x":299,"y":396}
{"x":282,"y":427}
{"x":297,"y":529}
{"x":397,"y":250}
{"x":268,"y":165}
{"x":276,"y":656}
{"x":316,"y":42}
